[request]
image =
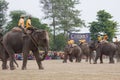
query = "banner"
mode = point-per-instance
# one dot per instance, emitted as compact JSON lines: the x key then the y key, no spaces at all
{"x":78,"y":36}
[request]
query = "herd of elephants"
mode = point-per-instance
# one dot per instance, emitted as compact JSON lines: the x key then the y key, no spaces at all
{"x":15,"y":41}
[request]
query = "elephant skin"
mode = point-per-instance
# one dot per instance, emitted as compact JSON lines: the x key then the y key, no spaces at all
{"x":86,"y":51}
{"x":104,"y":48}
{"x":72,"y":52}
{"x":18,"y":42}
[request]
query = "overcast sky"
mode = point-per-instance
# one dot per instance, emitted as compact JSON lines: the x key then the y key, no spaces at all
{"x":89,"y":8}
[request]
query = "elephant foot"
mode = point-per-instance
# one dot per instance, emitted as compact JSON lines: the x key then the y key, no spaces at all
{"x":101,"y":62}
{"x":4,"y":68}
{"x":86,"y":60}
{"x":12,"y":68}
{"x":112,"y":62}
{"x":24,"y":68}
{"x":64,"y":61}
{"x":95,"y":63}
{"x":41,"y":68}
{"x":71,"y":60}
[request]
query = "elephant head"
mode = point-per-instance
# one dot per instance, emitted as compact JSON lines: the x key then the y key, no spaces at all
{"x":41,"y":37}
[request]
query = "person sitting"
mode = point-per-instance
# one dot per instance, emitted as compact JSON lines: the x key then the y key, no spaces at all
{"x":70,"y":43}
{"x":29,"y":27}
{"x":105,"y":38}
{"x":82,"y":41}
{"x":21,"y":23}
{"x":99,"y":38}
{"x":115,"y":39}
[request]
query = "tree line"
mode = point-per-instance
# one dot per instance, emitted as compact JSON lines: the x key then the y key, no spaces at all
{"x":65,"y":19}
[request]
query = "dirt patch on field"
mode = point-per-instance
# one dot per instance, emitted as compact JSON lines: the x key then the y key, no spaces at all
{"x":56,"y":70}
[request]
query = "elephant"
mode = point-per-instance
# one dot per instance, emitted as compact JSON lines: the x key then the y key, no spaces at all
{"x":104,"y":48}
{"x":87,"y":51}
{"x":71,"y":52}
{"x":15,"y":41}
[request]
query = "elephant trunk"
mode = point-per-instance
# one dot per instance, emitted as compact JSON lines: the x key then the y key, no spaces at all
{"x":45,"y":54}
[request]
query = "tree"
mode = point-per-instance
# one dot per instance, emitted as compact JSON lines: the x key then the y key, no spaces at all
{"x":3,"y":9}
{"x":60,"y":42}
{"x":63,"y":14}
{"x":69,"y":17}
{"x":104,"y":24}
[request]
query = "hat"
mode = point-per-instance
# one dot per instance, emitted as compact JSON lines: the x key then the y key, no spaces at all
{"x":29,"y":16}
{"x":22,"y":16}
{"x":98,"y":35}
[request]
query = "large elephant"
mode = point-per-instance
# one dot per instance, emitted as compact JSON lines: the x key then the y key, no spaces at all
{"x":15,"y":41}
{"x":86,"y":51}
{"x":70,"y":52}
{"x":104,"y":48}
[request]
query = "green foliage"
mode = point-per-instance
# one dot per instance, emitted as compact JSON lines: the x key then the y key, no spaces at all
{"x":63,"y":14}
{"x":3,"y":9}
{"x":103,"y":25}
{"x":68,"y":17}
{"x":60,"y":42}
{"x":36,"y":22}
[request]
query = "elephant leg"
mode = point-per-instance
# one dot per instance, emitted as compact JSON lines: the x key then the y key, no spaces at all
{"x":70,"y":58}
{"x":96,"y":58}
{"x":65,"y":59}
{"x":101,"y":60}
{"x":90,"y":56}
{"x":38,"y":59}
{"x":12,"y":67}
{"x":86,"y":58}
{"x":79,"y":57}
{"x":111,"y":59}
{"x":4,"y":64}
{"x":25,"y":57}
{"x":118,"y":57}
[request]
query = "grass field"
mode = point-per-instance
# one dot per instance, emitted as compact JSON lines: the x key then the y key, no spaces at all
{"x":56,"y":70}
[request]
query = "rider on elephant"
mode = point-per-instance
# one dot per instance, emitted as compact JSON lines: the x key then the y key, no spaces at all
{"x":29,"y":26}
{"x":82,"y":41}
{"x":21,"y":23}
{"x":70,"y":42}
{"x":99,"y":38}
{"x":115,"y":39}
{"x":105,"y":38}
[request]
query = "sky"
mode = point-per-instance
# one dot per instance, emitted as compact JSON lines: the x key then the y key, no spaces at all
{"x":88,"y":8}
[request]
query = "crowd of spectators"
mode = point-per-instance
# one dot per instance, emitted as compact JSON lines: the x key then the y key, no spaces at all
{"x":50,"y":55}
